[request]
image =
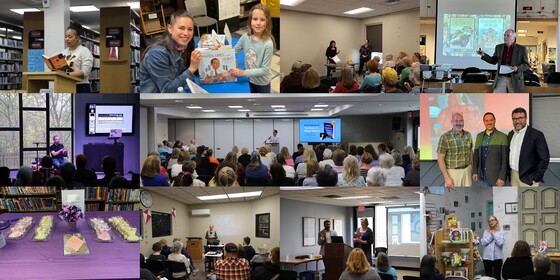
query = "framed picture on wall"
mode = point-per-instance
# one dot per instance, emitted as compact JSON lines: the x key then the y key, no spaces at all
{"x":262,"y":227}
{"x":308,"y":231}
{"x":511,"y":208}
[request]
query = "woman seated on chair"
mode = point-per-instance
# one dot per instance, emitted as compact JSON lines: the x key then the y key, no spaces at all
{"x":256,"y":169}
{"x":372,"y":80}
{"x":357,"y":267}
{"x":270,"y":268}
{"x":311,"y":82}
{"x":383,"y":266}
{"x":176,"y":256}
{"x":347,"y":83}
{"x":428,"y":270}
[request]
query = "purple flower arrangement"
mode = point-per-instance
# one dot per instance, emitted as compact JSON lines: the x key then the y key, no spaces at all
{"x":71,"y":213}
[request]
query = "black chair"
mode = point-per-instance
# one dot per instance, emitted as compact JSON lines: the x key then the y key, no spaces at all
{"x":288,"y":275}
{"x":173,"y":266}
{"x":553,"y":78}
{"x":379,"y":250}
{"x":411,"y":278}
{"x":385,"y":276}
{"x":375,"y":89}
{"x":469,"y":70}
{"x":300,"y":181}
{"x":256,"y":181}
{"x":142,"y":261}
{"x":400,"y":69}
{"x":156,"y":267}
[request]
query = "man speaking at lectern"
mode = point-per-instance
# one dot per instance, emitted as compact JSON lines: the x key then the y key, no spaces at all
{"x":512,"y":61}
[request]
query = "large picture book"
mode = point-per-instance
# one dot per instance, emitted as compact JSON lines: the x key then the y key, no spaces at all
{"x":56,"y":62}
{"x":215,"y":65}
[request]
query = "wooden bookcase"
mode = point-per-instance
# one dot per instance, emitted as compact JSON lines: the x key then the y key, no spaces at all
{"x":11,"y":56}
{"x":444,"y":244}
{"x":29,"y":199}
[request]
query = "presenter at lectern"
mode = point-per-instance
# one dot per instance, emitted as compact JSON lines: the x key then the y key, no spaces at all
{"x":79,"y":57}
{"x":512,"y":61}
{"x":274,"y":139}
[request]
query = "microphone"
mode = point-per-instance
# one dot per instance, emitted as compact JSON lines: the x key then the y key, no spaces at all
{"x":269,"y":137}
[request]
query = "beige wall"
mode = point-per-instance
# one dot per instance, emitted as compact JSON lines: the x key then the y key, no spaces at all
{"x":430,"y":31}
{"x":306,"y":36}
{"x":232,"y":221}
{"x":180,"y":226}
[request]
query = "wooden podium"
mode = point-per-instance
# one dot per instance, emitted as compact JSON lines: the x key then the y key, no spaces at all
{"x":333,"y":260}
{"x":63,"y":83}
{"x":194,"y":246}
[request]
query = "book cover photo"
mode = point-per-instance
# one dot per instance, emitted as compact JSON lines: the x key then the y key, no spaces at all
{"x":215,"y":65}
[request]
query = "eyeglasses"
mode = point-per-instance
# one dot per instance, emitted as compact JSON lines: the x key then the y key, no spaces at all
{"x":517,"y":119}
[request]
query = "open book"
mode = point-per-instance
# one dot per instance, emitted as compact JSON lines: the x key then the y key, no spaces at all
{"x":56,"y":62}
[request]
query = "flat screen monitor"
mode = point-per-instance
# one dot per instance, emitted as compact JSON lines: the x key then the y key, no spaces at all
{"x":102,"y":118}
{"x":320,"y":130}
{"x":337,"y":239}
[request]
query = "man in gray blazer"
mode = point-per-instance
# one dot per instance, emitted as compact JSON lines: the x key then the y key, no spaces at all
{"x":512,"y":55}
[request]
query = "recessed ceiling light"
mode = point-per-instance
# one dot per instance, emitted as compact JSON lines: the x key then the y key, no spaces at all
{"x":21,"y":11}
{"x":277,"y":106}
{"x":316,"y":109}
{"x":291,"y":2}
{"x":321,"y":106}
{"x":211,"y":197}
{"x":354,"y":197}
{"x":134,"y":5}
{"x":521,"y":31}
{"x":85,"y":8}
{"x":244,"y":194}
{"x":359,"y":11}
{"x":244,"y":110}
{"x":279,"y":110}
{"x":235,"y":107}
{"x":194,"y":107}
{"x":208,"y":111}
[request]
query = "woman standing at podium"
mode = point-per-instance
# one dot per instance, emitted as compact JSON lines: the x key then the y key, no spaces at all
{"x":79,"y":57}
{"x":363,"y":239}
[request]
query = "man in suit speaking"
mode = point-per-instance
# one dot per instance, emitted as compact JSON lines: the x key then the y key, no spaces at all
{"x":512,"y":61}
{"x":528,"y":152}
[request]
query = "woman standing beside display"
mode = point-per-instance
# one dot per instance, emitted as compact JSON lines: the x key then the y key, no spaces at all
{"x":493,"y":242}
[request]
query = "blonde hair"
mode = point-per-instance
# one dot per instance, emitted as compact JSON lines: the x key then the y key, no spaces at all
{"x":267,"y":33}
{"x":312,"y":167}
{"x":357,"y":262}
{"x":226,"y":177}
{"x":310,"y":79}
{"x":350,"y":168}
{"x":497,"y":226}
{"x":308,"y":154}
{"x":151,"y":166}
{"x":244,"y":150}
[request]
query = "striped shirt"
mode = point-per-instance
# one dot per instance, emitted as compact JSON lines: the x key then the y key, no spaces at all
{"x":233,"y":269}
{"x":457,"y":148}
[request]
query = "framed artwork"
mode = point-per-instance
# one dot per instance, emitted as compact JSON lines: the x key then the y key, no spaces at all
{"x":262,"y":227}
{"x":308,"y":231}
{"x":511,"y":208}
{"x":338,"y":227}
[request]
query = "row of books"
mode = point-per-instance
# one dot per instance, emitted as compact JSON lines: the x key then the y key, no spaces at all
{"x":10,"y":86}
{"x":30,"y":203}
{"x":92,"y":46}
{"x":10,"y":78}
{"x":134,"y":74}
{"x":122,"y":207}
{"x":11,"y":67}
{"x":28,"y":190}
{"x":11,"y":43}
{"x":95,"y":86}
{"x":134,"y":56}
{"x":124,"y":195}
{"x":96,"y":62}
{"x":10,"y":54}
{"x":134,"y":38}
{"x":97,"y":193}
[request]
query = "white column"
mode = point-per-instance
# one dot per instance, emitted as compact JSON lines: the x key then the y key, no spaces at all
{"x":57,"y":19}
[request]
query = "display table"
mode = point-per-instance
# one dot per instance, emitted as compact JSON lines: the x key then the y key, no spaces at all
{"x":63,"y":83}
{"x":295,"y":262}
{"x":27,"y":259}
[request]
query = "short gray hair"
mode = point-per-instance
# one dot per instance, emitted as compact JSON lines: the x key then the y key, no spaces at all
{"x":376,"y":177}
{"x":386,"y":160}
{"x":541,"y":263}
{"x":177,"y":246}
{"x":327,"y":153}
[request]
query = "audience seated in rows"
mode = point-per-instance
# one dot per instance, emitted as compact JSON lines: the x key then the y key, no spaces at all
{"x":203,"y":164}
{"x":256,"y":169}
{"x":288,"y":169}
{"x":372,"y":81}
{"x":301,"y":169}
{"x":177,"y":167}
{"x":67,"y":172}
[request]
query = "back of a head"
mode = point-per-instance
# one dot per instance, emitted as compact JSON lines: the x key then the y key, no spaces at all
{"x":327,"y":154}
{"x":275,"y":253}
{"x":327,"y":176}
{"x":247,"y":240}
{"x":81,"y":161}
{"x":383,"y":262}
{"x":67,"y":171}
{"x":4,"y":173}
{"x":156,"y":247}
{"x":376,"y":177}
{"x":109,"y":165}
{"x":119,"y":182}
{"x":277,"y":172}
{"x":347,"y":77}
{"x":226,"y":177}
{"x":397,"y":156}
{"x":177,"y":246}
{"x":521,"y":249}
{"x":357,"y":262}
{"x":386,"y":160}
{"x":23,"y":176}
{"x":541,"y":263}
{"x":56,"y":181}
{"x":46,"y":162}
{"x":311,"y":79}
{"x":427,"y":265}
{"x":244,"y":150}
{"x":338,"y":156}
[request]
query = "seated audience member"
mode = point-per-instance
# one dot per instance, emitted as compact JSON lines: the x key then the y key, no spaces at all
{"x":256,"y":169}
{"x":47,"y":163}
{"x":428,"y":270}
{"x":203,"y":164}
{"x":156,"y":255}
{"x":394,"y":175}
{"x":162,"y":168}
{"x":288,"y":169}
{"x":174,"y":157}
{"x":186,"y":254}
{"x":400,"y":57}
{"x":326,"y":176}
{"x":369,"y":148}
{"x":231,"y":157}
{"x":299,"y":157}
{"x":214,"y":181}
{"x":151,"y":175}
{"x":176,"y":256}
{"x":383,"y":266}
{"x":407,"y":63}
{"x":235,"y":150}
{"x":338,"y":157}
{"x":358,"y":267}
{"x":24,"y":176}
{"x":412,"y":178}
{"x":232,"y":265}
{"x":278,"y":174}
{"x":408,"y":155}
{"x":373,"y":79}
{"x":248,"y":250}
{"x":350,"y":176}
{"x":213,"y":160}
{"x":119,"y":182}
{"x":389,"y":62}
{"x":67,"y":172}
{"x":286,"y":154}
{"x":227,"y":177}
{"x":177,"y":167}
{"x":382,"y":149}
{"x":263,"y":151}
{"x":353,"y":150}
{"x":187,"y":176}
{"x":162,"y":152}
{"x":347,"y":83}
{"x":83,"y":175}
{"x":366,"y":161}
{"x":56,"y":181}
{"x":165,"y":250}
{"x":519,"y":264}
{"x":327,"y":155}
{"x":376,"y":177}
{"x":311,"y":175}
{"x":292,"y":82}
{"x":5,"y":176}
{"x":262,"y":256}
{"x":416,"y":57}
{"x":109,"y":165}
{"x":319,"y":150}
{"x":192,"y":152}
{"x":311,"y":82}
{"x":398,"y":166}
{"x":308,"y":154}
{"x":414,"y":83}
{"x":359,"y":152}
{"x":146,"y":274}
{"x":270,"y":268}
{"x":244,"y":158}
{"x":297,"y":153}
{"x":389,"y":79}
{"x":541,"y":266}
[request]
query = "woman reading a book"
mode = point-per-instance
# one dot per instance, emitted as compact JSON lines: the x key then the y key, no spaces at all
{"x":169,"y":61}
{"x":493,"y":242}
{"x":78,"y":57}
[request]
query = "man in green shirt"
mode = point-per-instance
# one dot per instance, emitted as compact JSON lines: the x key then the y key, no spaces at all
{"x":455,"y":154}
{"x":490,"y":157}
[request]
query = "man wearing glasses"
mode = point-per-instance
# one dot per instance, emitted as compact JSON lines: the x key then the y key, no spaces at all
{"x":490,"y":154}
{"x":455,"y":154}
{"x":528,"y":144}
